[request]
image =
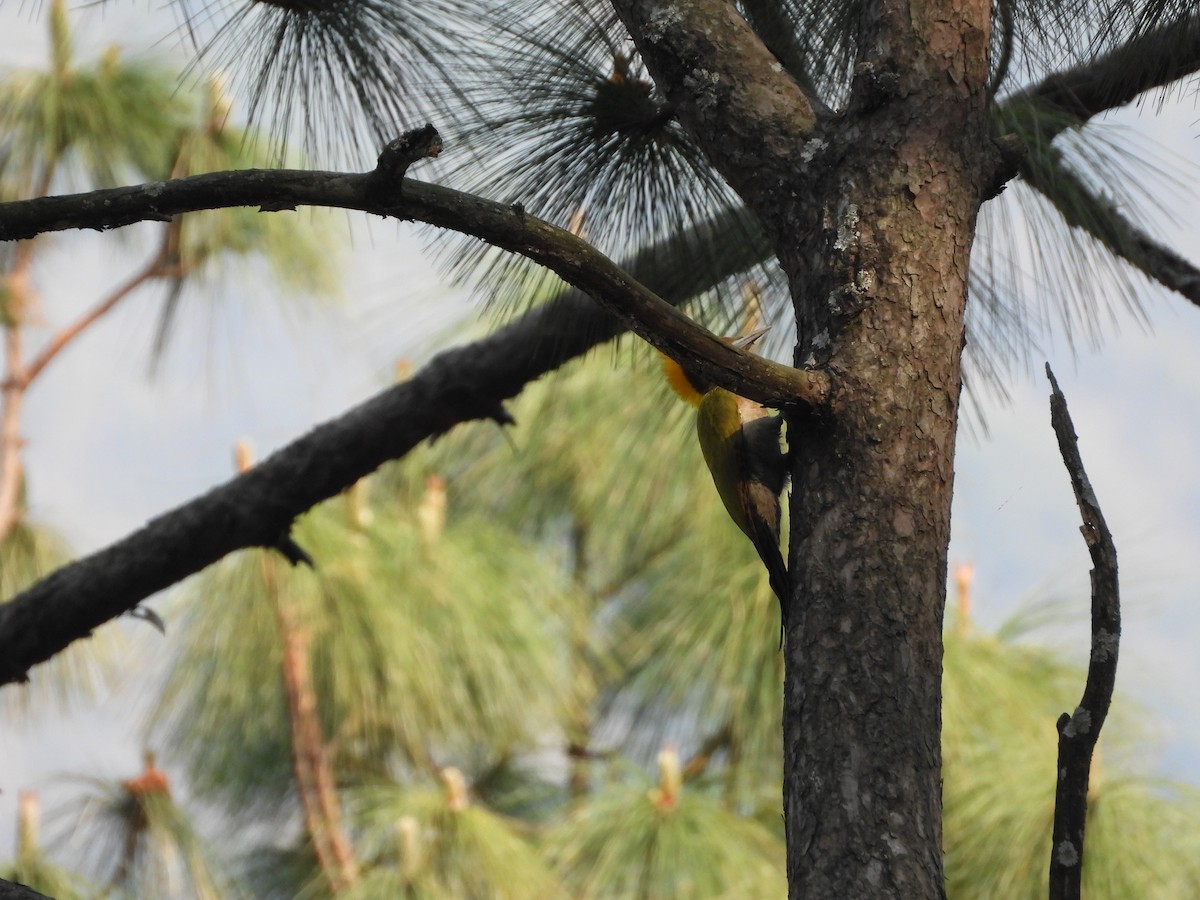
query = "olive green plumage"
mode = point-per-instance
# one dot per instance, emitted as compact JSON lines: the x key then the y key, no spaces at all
{"x":740,"y":440}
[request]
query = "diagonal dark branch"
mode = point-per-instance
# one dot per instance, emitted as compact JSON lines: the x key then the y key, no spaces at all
{"x":14,"y":890}
{"x":1070,"y":98}
{"x":1148,"y":61}
{"x":507,"y":227}
{"x":257,"y":507}
{"x":1081,"y":207}
{"x":1079,"y":731}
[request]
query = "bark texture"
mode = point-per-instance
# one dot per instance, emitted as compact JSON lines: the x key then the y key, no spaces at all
{"x":877,"y":257}
{"x":872,"y":212}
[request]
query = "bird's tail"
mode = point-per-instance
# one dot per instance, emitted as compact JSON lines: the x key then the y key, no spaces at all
{"x":781,"y":584}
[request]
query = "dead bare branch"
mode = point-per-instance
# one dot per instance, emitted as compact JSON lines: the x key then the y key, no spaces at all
{"x":1079,"y":731}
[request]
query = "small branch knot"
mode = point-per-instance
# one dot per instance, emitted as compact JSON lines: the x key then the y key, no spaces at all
{"x":1066,"y":854}
{"x":405,"y":150}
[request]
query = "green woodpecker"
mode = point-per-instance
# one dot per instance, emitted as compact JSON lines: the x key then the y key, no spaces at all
{"x":740,"y":442}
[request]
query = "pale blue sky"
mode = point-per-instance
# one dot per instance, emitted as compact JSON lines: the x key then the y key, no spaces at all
{"x":109,"y":447}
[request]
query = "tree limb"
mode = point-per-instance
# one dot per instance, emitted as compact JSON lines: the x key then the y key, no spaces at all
{"x":1079,"y":731}
{"x":507,"y":227}
{"x":1121,"y":75}
{"x":14,"y":890}
{"x":1080,"y":207}
{"x":774,"y":26}
{"x":257,"y":507}
{"x":742,"y":106}
{"x":1070,"y":98}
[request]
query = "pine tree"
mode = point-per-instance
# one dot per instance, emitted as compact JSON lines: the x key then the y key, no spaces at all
{"x":853,"y":145}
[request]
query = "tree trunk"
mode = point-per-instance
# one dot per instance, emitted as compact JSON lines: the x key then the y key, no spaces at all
{"x":872,"y":212}
{"x":879,"y":275}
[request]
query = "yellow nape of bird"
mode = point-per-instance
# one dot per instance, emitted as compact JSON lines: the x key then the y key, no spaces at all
{"x":740,"y":442}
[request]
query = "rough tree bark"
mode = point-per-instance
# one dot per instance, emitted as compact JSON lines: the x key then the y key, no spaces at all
{"x":872,"y":213}
{"x":878,"y":267}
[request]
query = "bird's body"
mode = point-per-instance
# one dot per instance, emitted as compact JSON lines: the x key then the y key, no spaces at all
{"x":740,"y":440}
